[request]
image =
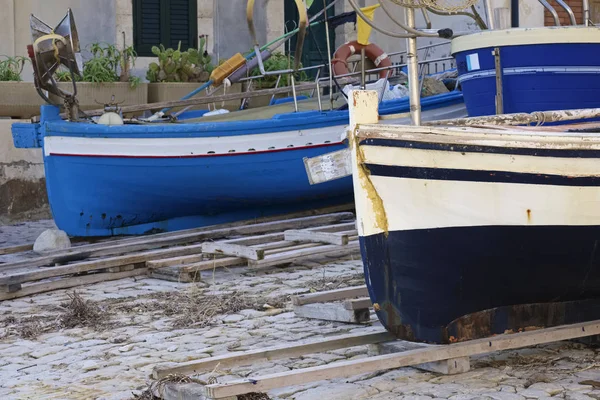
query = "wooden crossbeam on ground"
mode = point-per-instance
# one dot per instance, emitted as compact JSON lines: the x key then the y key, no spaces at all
{"x":174,"y":238}
{"x":290,"y":256}
{"x":180,"y":262}
{"x":335,"y":305}
{"x":340,"y":239}
{"x":70,"y":282}
{"x":397,"y":360}
{"x":330,"y":295}
{"x":272,"y":353}
{"x":334,"y":312}
{"x":102,"y":263}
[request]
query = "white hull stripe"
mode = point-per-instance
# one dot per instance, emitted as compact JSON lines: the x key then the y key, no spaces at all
{"x":190,"y":147}
{"x":429,"y":204}
{"x":529,"y":70}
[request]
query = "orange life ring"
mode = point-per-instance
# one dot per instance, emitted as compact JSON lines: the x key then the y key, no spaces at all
{"x":372,"y":52}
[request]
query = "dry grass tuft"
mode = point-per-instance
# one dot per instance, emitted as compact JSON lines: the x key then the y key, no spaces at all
{"x":79,"y":312}
{"x":75,"y":313}
{"x":193,"y":308}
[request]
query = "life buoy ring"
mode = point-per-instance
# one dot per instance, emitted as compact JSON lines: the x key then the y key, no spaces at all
{"x":372,"y":52}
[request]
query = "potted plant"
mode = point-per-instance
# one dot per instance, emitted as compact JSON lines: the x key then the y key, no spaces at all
{"x":18,"y":99}
{"x":106,"y":75}
{"x":177,"y":73}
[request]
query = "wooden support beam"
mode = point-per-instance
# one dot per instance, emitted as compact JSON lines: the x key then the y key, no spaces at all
{"x":216,"y":263}
{"x":316,"y":237}
{"x":291,"y":256}
{"x":358,"y":304}
{"x":452,"y":366}
{"x":102,"y":263}
{"x":333,"y":312}
{"x":333,"y":227}
{"x":174,"y":261}
{"x":408,"y":358}
{"x":15,"y":249}
{"x":70,"y":282}
{"x":232,"y":249}
{"x":272,"y":353}
{"x":330,"y":295}
{"x":174,"y":238}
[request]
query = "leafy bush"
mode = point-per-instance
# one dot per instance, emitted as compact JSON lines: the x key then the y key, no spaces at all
{"x":193,"y":65}
{"x":107,"y":64}
{"x":277,"y":62}
{"x":11,"y":68}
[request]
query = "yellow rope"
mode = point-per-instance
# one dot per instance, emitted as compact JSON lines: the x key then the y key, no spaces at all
{"x":54,"y":37}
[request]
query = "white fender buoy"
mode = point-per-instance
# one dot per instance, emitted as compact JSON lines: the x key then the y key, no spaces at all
{"x":110,"y":118}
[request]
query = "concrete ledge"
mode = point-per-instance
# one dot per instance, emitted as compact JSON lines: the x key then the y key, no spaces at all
{"x":22,"y":181}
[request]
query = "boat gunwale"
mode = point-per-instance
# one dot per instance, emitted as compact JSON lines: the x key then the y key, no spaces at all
{"x":525,"y":37}
{"x":285,"y":122}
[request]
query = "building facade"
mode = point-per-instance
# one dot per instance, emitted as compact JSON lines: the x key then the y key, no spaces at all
{"x":144,"y":23}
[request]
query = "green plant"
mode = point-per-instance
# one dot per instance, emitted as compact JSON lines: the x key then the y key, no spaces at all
{"x":11,"y":68}
{"x":277,"y":62}
{"x":193,"y":65}
{"x":107,"y":64}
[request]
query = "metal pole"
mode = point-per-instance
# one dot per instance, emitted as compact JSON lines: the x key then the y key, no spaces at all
{"x":586,"y":12}
{"x":499,"y":97}
{"x":328,"y":56}
{"x":363,"y":82}
{"x":413,"y":71}
{"x":294,"y":92}
{"x":514,"y":13}
{"x":489,"y":13}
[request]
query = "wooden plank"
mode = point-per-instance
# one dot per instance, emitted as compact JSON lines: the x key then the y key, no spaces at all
{"x":330,"y":295}
{"x":451,"y":366}
{"x":256,"y":240}
{"x":216,"y":263}
{"x":333,"y":227}
{"x":328,"y":167}
{"x":70,"y":282}
{"x":272,"y":353}
{"x":316,"y":237}
{"x":333,"y":312}
{"x":291,"y":256}
{"x":358,"y":304}
{"x":10,"y":288}
{"x":161,"y":240}
{"x":15,"y":249}
{"x":174,"y":261}
{"x":102,"y":263}
{"x":408,"y":358}
{"x":232,"y":249}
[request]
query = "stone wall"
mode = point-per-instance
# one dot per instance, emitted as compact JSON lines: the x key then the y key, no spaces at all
{"x":22,"y":184}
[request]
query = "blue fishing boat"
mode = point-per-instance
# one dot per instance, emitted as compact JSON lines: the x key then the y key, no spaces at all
{"x":108,"y":176}
{"x":529,"y":69}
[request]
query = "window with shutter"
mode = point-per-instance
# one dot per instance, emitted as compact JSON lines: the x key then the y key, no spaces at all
{"x":166,"y":22}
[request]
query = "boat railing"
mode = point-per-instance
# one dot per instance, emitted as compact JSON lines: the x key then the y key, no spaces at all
{"x":439,"y":65}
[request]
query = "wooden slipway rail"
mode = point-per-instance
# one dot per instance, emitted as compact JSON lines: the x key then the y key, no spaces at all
{"x":182,"y":255}
{"x":453,"y":354}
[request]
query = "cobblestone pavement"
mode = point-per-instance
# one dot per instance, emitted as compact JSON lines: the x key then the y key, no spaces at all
{"x":24,"y":232}
{"x":141,"y":323}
